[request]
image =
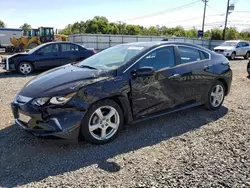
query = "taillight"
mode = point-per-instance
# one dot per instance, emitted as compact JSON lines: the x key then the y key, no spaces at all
{"x":94,"y":52}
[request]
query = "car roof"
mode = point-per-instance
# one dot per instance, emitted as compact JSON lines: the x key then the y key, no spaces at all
{"x":159,"y":43}
{"x":235,"y":41}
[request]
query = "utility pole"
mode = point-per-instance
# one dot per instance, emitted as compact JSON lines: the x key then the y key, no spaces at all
{"x":204,"y":14}
{"x":225,"y":25}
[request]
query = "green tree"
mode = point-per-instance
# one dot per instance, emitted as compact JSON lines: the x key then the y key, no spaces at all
{"x":2,"y":24}
{"x":153,"y":31}
{"x":216,"y":34}
{"x":133,"y":30}
{"x":231,"y":33}
{"x":192,"y":33}
{"x":26,"y":27}
{"x":100,"y":24}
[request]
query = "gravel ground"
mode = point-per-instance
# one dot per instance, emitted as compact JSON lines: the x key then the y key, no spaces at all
{"x":192,"y":148}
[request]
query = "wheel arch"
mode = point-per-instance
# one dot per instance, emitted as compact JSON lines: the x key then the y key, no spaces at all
{"x":123,"y":102}
{"x":225,"y":85}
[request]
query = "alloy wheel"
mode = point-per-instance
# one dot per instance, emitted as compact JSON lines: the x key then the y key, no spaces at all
{"x":104,"y":123}
{"x":25,"y":68}
{"x":217,"y":96}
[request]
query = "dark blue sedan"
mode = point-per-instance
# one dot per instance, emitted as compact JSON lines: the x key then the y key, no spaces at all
{"x":123,"y":84}
{"x":46,"y":56}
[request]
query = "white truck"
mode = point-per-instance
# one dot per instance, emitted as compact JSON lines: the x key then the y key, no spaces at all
{"x":6,"y":34}
{"x":234,"y":48}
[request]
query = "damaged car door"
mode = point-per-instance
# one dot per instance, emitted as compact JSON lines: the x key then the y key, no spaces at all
{"x":153,"y":85}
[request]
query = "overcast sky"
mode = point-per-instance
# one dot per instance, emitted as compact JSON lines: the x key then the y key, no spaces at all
{"x":59,"y":13}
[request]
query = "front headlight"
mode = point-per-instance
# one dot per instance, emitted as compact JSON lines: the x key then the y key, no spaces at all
{"x":61,"y":99}
{"x":40,"y":101}
{"x":54,"y":100}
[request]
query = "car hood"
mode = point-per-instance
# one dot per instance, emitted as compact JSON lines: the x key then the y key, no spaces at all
{"x":62,"y":80}
{"x":18,"y":55}
{"x":224,"y":48}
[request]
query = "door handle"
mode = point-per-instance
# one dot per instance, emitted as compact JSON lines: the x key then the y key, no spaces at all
{"x":174,"y":76}
{"x":207,"y":66}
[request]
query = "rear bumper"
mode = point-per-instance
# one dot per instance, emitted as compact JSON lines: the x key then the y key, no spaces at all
{"x":63,"y":123}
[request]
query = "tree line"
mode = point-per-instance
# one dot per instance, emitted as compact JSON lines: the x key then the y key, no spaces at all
{"x":101,"y":25}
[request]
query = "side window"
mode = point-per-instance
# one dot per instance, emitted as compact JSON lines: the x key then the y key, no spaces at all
{"x":245,"y":44}
{"x":65,"y":47}
{"x":160,"y":58}
{"x":189,"y":54}
{"x":53,"y":48}
{"x":240,"y":44}
{"x":69,"y":48}
{"x":204,"y":55}
{"x":76,"y":48}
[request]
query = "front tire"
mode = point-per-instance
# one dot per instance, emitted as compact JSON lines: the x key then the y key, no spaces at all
{"x":215,"y":96}
{"x":102,"y":122}
{"x":25,"y":68}
{"x":248,"y":68}
{"x":247,"y":55}
{"x":233,"y":55}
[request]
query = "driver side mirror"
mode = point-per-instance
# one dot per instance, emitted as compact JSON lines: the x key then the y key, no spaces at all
{"x":143,"y":71}
{"x":237,"y":46}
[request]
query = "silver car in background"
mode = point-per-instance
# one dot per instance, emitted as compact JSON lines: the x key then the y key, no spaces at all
{"x":234,"y":48}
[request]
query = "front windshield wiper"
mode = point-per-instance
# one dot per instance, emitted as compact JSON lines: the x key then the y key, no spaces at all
{"x":86,"y":66}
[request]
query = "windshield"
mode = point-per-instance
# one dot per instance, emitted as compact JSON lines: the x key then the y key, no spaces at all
{"x":36,"y":48}
{"x":113,"y":57}
{"x":228,"y":44}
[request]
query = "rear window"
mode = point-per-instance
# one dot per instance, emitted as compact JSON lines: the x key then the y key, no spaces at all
{"x":188,"y":54}
{"x":204,"y":55}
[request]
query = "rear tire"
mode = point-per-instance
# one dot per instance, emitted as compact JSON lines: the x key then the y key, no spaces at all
{"x":215,"y":96}
{"x":233,"y":55}
{"x":25,"y":68}
{"x":248,"y":68}
{"x":102,"y":123}
{"x":247,"y":55}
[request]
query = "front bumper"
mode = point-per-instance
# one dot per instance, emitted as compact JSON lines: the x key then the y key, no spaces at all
{"x":8,"y":65}
{"x":59,"y":122}
{"x":225,"y":53}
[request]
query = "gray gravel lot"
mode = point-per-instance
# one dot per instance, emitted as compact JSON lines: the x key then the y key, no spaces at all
{"x":192,"y":148}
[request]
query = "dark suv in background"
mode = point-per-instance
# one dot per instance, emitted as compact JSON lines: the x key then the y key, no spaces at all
{"x":46,"y":56}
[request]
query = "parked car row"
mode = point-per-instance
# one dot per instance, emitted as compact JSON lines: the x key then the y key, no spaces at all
{"x":46,"y":56}
{"x":123,"y":84}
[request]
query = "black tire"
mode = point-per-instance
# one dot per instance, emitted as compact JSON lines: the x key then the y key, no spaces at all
{"x":233,"y":55}
{"x":248,"y":68}
{"x":85,"y":132}
{"x":30,"y":68}
{"x":209,"y":105}
{"x":247,"y":55}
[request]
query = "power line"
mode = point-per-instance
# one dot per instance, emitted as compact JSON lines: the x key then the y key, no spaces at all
{"x":214,"y":9}
{"x":164,"y":11}
{"x":194,"y":18}
{"x":236,"y":2}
